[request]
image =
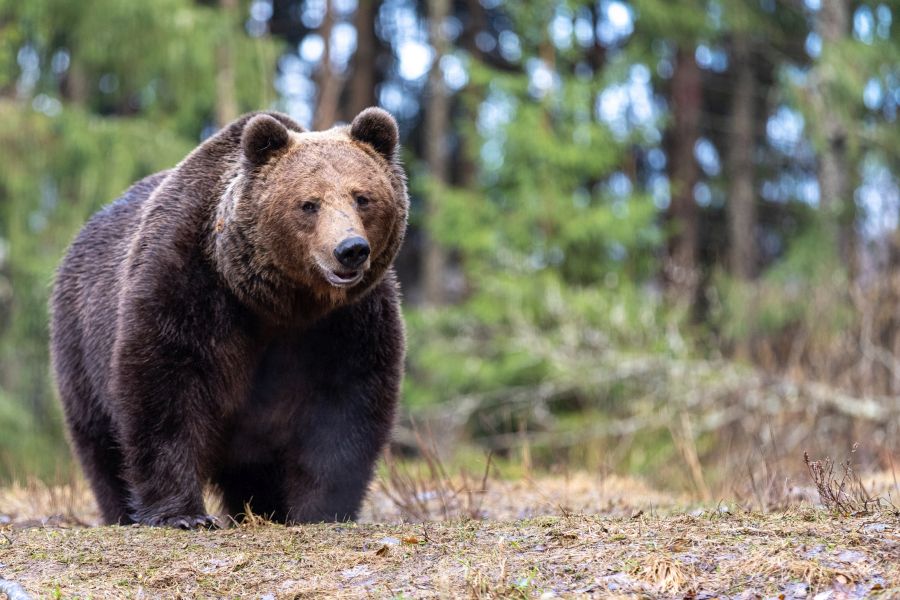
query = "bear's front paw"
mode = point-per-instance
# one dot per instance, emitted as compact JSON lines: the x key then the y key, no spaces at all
{"x":183,"y":521}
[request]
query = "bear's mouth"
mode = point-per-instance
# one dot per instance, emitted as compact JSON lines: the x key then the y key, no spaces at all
{"x":342,"y":278}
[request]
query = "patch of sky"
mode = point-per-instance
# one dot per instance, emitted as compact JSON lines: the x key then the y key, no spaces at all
{"x":873,"y":94}
{"x":885,"y":17}
{"x":864,"y":24}
{"x":658,"y":185}
{"x":711,"y":58}
{"x":261,"y":10}
{"x":707,"y":157}
{"x":813,"y":44}
{"x":485,"y":42}
{"x":584,"y":28}
{"x":616,"y":24}
{"x":60,"y":61}
{"x":656,"y":158}
{"x":415,"y":59}
{"x":561,"y":28}
{"x":714,"y":15}
{"x":791,"y":186}
{"x":619,"y":185}
{"x":313,"y":13}
{"x":30,"y":67}
{"x":47,"y":105}
{"x":784,"y":129}
{"x":394,"y":98}
{"x":496,"y":112}
{"x":342,"y":46}
{"x":510,"y":46}
{"x":451,"y":28}
{"x":541,"y":79}
{"x":345,"y":8}
{"x":454,"y":71}
{"x":878,"y":198}
{"x":628,"y":105}
{"x":312,"y":47}
{"x":702,"y":194}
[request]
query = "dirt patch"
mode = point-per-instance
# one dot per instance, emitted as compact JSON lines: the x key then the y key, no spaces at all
{"x":548,"y":537}
{"x":796,"y":554}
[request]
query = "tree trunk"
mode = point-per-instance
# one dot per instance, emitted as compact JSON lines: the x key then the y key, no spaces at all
{"x":330,"y":83}
{"x":833,"y":25}
{"x":437,"y":117}
{"x":687,"y":96}
{"x":226,"y":92}
{"x":741,"y":195}
{"x":365,"y":69}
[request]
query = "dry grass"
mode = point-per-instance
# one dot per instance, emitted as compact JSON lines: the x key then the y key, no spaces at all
{"x":575,"y":536}
{"x":590,"y":556}
{"x":843,"y":492}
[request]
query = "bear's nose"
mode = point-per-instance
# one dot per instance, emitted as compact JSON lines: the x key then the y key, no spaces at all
{"x":352,"y":252}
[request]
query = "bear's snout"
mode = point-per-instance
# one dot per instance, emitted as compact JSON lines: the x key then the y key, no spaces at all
{"x":352,"y":252}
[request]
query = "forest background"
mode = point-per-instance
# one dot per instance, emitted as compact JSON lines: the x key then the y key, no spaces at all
{"x":650,"y":237}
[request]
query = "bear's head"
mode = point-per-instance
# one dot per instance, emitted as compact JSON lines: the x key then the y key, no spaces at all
{"x":317,"y":215}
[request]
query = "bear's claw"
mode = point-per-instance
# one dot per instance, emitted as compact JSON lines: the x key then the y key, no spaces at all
{"x":184,"y":522}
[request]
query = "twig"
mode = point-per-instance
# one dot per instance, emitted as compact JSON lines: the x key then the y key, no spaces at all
{"x":13,"y":590}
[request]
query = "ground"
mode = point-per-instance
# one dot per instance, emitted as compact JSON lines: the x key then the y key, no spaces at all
{"x":539,"y":537}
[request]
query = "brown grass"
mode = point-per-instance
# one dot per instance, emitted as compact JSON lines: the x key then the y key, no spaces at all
{"x":843,"y":492}
{"x":675,"y":556}
{"x":574,"y":536}
{"x":427,"y":532}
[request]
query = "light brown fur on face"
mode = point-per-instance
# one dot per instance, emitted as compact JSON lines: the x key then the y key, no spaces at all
{"x":289,"y":201}
{"x":312,"y":204}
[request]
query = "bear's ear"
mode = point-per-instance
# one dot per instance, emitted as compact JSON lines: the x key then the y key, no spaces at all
{"x":377,"y":128}
{"x":262,"y":137}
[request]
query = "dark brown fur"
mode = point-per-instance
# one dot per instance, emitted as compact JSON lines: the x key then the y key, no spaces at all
{"x":195,"y":336}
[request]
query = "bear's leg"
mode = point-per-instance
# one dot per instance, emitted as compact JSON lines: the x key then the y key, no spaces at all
{"x":328,"y":470}
{"x":254,"y":486}
{"x":326,"y":490}
{"x":91,"y":430}
{"x":101,"y":460}
{"x":179,"y":372}
{"x":168,"y":448}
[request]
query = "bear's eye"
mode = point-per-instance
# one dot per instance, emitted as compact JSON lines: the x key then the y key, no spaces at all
{"x":362,"y":201}
{"x":309,"y":207}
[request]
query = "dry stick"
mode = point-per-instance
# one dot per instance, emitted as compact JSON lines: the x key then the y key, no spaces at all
{"x":13,"y":590}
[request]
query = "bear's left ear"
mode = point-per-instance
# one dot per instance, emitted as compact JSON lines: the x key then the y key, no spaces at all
{"x":377,"y":128}
{"x":262,"y":137}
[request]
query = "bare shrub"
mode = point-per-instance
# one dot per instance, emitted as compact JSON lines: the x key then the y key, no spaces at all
{"x":843,"y":493}
{"x":425,"y":490}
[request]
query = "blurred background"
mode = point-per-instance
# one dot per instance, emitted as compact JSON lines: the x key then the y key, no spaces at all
{"x":650,"y":237}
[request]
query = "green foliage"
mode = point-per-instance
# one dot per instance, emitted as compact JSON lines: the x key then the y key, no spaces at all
{"x":806,"y":291}
{"x":29,"y":448}
{"x":559,"y":270}
{"x":552,"y":257}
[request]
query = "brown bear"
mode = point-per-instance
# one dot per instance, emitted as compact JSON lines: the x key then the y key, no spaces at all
{"x":236,"y":320}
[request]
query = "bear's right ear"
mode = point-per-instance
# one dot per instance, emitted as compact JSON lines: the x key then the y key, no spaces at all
{"x":377,"y":128}
{"x":262,"y":137}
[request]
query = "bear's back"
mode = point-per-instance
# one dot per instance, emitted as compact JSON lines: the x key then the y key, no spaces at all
{"x":86,"y":291}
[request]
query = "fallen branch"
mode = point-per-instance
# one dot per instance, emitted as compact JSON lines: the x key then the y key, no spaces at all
{"x":714,"y":393}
